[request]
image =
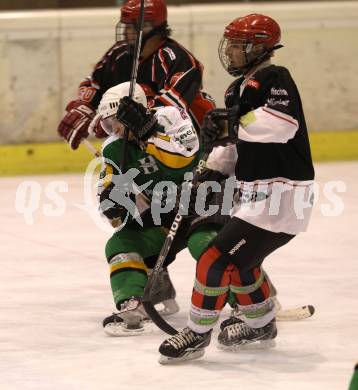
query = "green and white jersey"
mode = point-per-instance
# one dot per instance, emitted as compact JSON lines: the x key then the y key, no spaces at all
{"x":167,"y":155}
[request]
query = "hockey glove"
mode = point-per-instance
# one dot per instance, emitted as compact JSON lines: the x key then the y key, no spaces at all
{"x":74,"y":125}
{"x":218,"y":128}
{"x":108,"y":205}
{"x":214,"y":128}
{"x":137,"y":118}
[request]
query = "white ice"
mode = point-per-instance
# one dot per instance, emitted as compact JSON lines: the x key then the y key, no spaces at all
{"x":55,"y":293}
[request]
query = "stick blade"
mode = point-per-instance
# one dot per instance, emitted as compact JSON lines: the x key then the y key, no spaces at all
{"x":296,"y":314}
{"x":157,"y":318}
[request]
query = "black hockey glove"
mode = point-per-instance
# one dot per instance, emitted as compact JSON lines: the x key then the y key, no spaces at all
{"x":212,"y":128}
{"x":137,"y":118}
{"x":189,"y":196}
{"x":219,"y":128}
{"x":108,"y":205}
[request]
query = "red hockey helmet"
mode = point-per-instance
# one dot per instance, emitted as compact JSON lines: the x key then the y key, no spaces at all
{"x":257,"y":35}
{"x":155,"y":11}
{"x":254,"y":28}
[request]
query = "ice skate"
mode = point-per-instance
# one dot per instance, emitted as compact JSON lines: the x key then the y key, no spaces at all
{"x":131,"y":320}
{"x":185,"y":345}
{"x":240,"y":336}
{"x":163,"y":293}
{"x":235,"y":317}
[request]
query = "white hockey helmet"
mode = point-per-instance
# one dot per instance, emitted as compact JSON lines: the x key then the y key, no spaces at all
{"x":110,"y":100}
{"x":108,"y":106}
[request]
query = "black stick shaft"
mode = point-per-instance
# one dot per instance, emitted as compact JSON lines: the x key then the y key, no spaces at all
{"x":133,"y":80}
{"x":149,"y":307}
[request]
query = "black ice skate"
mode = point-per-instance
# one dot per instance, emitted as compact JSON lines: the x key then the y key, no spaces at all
{"x":163,"y":292}
{"x":185,"y":345}
{"x":131,"y":320}
{"x":241,"y":336}
{"x":235,"y":317}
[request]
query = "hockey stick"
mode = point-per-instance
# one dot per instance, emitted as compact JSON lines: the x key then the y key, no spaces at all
{"x":284,"y":315}
{"x":148,"y":305}
{"x":295,"y":314}
{"x":91,"y":148}
{"x":133,"y":80}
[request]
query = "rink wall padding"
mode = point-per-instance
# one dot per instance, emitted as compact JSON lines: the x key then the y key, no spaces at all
{"x":31,"y":159}
{"x":45,"y":158}
{"x":45,"y":55}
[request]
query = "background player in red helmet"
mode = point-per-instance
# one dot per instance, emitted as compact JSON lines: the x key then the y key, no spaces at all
{"x":271,"y":158}
{"x":169,"y":74}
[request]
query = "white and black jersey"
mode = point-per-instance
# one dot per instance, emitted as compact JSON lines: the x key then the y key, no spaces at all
{"x":274,"y":167}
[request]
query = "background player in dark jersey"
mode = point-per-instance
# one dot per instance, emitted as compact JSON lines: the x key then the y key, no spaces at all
{"x":169,"y":74}
{"x":274,"y":172}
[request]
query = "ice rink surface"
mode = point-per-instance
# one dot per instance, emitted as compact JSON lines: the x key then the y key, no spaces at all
{"x":55,"y":293}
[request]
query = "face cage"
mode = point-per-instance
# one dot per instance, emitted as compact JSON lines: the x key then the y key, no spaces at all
{"x":225,"y":46}
{"x":127,"y":32}
{"x":122,"y":34}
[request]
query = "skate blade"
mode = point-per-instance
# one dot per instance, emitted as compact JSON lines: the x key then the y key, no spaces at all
{"x":120,"y":330}
{"x":250,"y":346}
{"x":192,"y":355}
{"x":170,"y":307}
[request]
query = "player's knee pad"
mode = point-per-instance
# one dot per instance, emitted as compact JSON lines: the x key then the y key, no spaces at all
{"x":212,"y":280}
{"x":212,"y":262}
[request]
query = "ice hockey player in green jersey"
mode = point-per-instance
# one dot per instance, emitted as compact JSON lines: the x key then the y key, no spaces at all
{"x":354,"y":381}
{"x":162,"y":147}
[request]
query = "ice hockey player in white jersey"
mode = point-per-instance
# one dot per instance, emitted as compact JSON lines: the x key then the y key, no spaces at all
{"x":274,"y":172}
{"x":162,"y":146}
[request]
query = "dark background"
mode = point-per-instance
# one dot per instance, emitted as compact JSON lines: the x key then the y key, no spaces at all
{"x":7,"y":5}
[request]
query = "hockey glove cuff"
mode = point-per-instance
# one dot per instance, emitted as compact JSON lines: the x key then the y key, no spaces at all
{"x":74,"y":125}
